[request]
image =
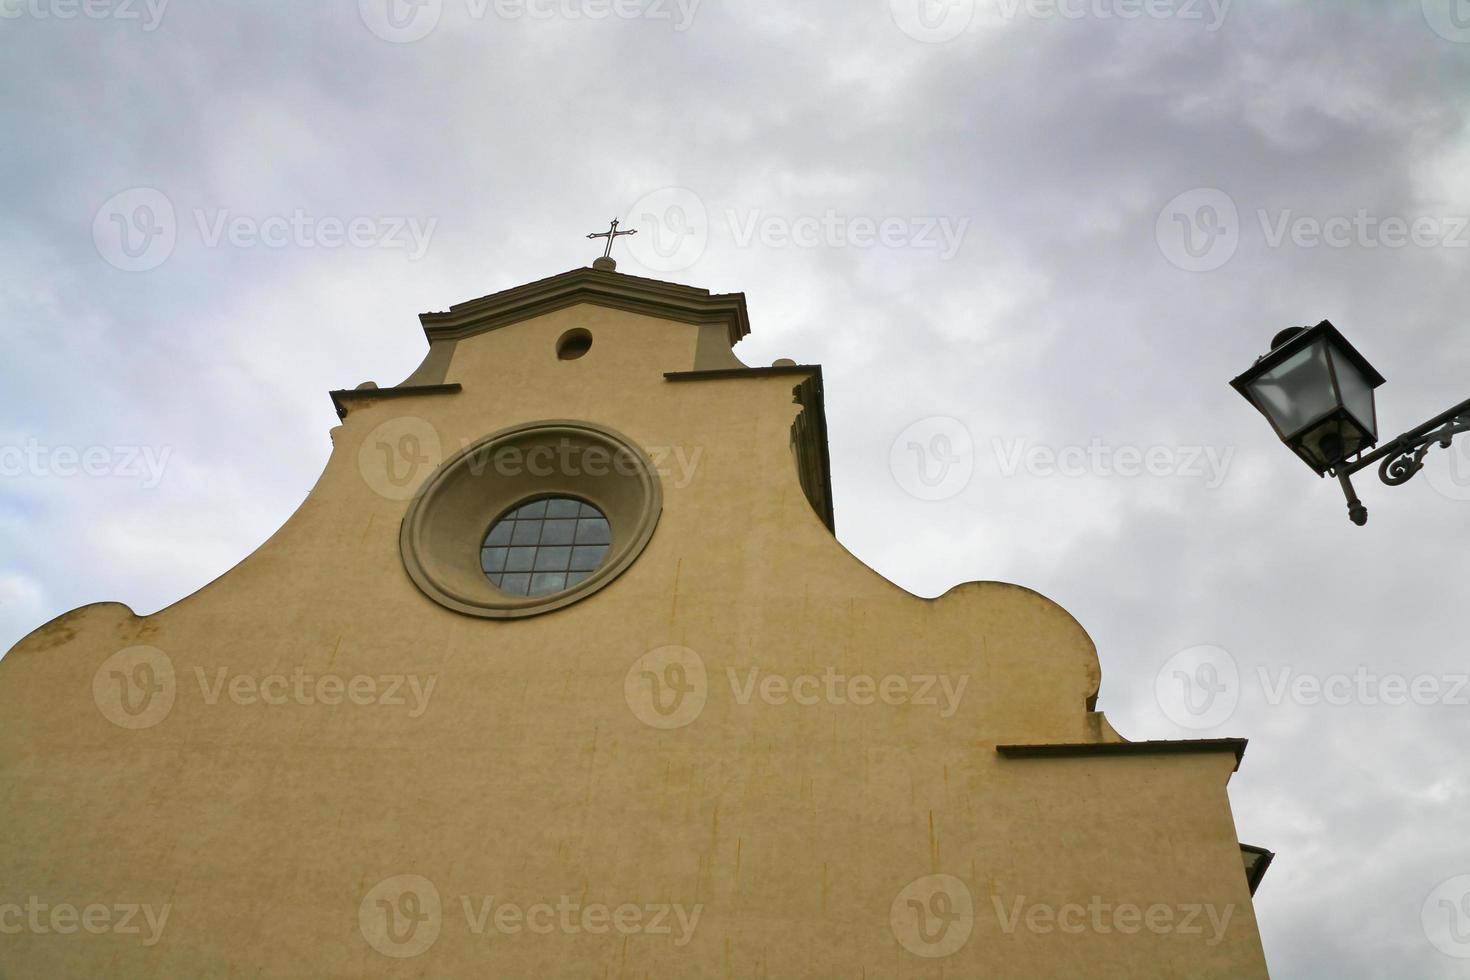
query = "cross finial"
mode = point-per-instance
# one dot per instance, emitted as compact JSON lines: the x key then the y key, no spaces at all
{"x":607,"y":262}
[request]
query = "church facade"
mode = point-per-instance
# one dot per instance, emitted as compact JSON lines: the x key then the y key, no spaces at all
{"x":560,"y":671}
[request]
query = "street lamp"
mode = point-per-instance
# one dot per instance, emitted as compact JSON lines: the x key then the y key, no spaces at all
{"x":1316,"y":390}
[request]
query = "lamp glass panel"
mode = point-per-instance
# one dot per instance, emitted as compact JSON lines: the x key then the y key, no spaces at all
{"x":1357,"y":394}
{"x":1297,"y":390}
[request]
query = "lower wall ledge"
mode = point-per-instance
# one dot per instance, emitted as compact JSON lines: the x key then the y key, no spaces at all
{"x":1066,"y":750}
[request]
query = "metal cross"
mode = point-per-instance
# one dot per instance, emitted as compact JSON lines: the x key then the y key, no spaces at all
{"x":612,"y":235}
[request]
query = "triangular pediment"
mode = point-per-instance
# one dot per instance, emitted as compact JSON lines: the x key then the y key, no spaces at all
{"x":635,"y":294}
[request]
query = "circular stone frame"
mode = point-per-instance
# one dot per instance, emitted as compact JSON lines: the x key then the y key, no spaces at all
{"x":447,"y":521}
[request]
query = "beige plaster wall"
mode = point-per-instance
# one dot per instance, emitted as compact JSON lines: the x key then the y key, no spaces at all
{"x":528,"y":774}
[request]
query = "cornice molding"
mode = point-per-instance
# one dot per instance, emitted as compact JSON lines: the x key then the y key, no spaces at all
{"x":651,"y":297}
{"x":721,"y":374}
{"x":1063,"y":750}
{"x":342,"y":397}
{"x":1257,"y":860}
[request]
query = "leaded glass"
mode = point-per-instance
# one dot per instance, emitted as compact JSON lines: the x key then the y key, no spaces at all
{"x":545,"y":546}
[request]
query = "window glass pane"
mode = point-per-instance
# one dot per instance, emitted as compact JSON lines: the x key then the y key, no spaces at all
{"x":493,"y":559}
{"x":516,"y":584}
{"x":520,"y":559}
{"x":563,"y":507}
{"x":558,"y":532}
{"x":586,"y":558}
{"x":544,"y":583}
{"x":500,"y":533}
{"x":526,"y":532}
{"x":574,"y":577}
{"x":537,"y":509}
{"x":593,"y":530}
{"x":552,"y":559}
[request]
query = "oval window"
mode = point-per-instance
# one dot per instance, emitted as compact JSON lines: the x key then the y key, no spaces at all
{"x":545,"y":546}
{"x":487,"y":535}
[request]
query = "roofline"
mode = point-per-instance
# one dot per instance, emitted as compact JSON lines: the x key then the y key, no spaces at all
{"x":342,"y":396}
{"x":1063,"y":750}
{"x":634,"y":294}
{"x":754,"y":372}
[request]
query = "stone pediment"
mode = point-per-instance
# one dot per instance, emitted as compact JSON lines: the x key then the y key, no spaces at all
{"x":633,"y":294}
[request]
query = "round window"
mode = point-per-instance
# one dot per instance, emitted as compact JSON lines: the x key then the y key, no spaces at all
{"x":545,"y":546}
{"x":531,"y":518}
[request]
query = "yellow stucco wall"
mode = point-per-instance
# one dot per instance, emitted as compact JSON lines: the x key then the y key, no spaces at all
{"x":799,"y":834}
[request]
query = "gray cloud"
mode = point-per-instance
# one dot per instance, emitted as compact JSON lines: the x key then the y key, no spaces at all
{"x":1060,"y":321}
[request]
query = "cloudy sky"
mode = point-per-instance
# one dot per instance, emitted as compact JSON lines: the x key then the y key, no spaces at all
{"x":1029,"y":241}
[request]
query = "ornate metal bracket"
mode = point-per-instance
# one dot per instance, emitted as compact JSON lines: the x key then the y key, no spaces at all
{"x":1399,"y":469}
{"x":1402,"y":457}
